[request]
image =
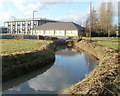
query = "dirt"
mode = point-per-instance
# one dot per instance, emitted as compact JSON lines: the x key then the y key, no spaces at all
{"x":104,"y":80}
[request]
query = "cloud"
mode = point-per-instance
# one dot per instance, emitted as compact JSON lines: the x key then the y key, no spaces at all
{"x":73,"y":16}
{"x":25,"y":8}
{"x":67,"y":0}
{"x":1,"y":6}
{"x":5,"y":15}
{"x":19,"y":6}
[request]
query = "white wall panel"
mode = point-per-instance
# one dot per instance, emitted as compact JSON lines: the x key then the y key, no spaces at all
{"x":59,"y":32}
{"x":71,"y":33}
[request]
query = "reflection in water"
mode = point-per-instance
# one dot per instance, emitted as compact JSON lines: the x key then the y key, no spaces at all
{"x":67,"y":52}
{"x":60,"y":81}
{"x":70,"y":66}
{"x":91,"y":61}
{"x":15,"y":82}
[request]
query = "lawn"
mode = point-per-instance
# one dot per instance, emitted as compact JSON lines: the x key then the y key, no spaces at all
{"x":112,"y":42}
{"x":21,"y":56}
{"x":21,"y":45}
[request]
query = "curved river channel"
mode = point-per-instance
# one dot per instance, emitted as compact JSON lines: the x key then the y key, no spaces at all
{"x":70,"y":66}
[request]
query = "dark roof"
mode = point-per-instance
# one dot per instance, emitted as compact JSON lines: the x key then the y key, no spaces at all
{"x":59,"y":26}
{"x":30,"y":19}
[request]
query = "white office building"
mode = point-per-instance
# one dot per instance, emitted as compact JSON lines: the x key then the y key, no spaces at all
{"x":25,"y":26}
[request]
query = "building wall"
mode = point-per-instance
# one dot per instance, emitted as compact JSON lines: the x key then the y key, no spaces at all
{"x":24,"y":27}
{"x":71,"y":32}
{"x":59,"y":32}
{"x":56,"y":32}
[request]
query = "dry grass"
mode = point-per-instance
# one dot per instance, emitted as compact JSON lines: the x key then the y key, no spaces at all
{"x":104,"y":80}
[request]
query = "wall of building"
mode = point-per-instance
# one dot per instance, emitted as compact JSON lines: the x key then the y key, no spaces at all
{"x":24,"y":27}
{"x":71,"y":32}
{"x":21,"y":27}
{"x":56,"y":32}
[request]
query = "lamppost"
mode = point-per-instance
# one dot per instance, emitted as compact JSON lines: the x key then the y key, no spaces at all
{"x":33,"y":20}
{"x":14,"y":23}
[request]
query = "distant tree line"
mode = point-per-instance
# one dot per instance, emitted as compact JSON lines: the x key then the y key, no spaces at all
{"x":100,"y":22}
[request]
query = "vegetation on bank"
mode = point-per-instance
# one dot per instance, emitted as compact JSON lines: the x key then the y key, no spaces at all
{"x":22,"y":56}
{"x":10,"y":46}
{"x":104,"y":80}
{"x":112,"y":42}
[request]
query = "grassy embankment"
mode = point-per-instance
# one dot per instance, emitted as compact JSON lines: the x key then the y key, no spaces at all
{"x":22,"y":56}
{"x":112,"y":42}
{"x":13,"y":46}
{"x":104,"y":80}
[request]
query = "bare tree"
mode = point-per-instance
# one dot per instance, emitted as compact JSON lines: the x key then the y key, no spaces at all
{"x":102,"y":16}
{"x":106,"y":16}
{"x":109,"y":14}
{"x":93,"y":24}
{"x":94,"y":21}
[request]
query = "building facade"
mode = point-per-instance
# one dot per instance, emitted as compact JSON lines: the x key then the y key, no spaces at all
{"x":25,"y":26}
{"x":59,"y":29}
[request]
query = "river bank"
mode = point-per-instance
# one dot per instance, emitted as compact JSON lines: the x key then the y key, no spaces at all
{"x":104,"y":79}
{"x":19,"y":63}
{"x":53,"y":79}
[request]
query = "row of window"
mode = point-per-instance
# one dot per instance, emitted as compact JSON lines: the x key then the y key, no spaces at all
{"x":30,"y":27}
{"x":57,"y":31}
{"x":21,"y":25}
{"x":19,"y":29}
{"x":28,"y":23}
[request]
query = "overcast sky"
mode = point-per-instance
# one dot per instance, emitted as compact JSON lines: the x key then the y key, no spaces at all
{"x":64,"y":10}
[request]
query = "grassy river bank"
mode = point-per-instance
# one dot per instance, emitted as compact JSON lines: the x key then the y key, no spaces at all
{"x":23,"y":56}
{"x":104,"y":80}
{"x":19,"y":57}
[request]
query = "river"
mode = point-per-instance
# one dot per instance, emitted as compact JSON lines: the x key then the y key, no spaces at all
{"x":70,"y":66}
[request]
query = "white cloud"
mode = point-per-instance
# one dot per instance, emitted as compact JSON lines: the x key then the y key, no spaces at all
{"x":57,"y":0}
{"x":27,"y":9}
{"x":5,"y":15}
{"x":73,"y":16}
{"x":24,"y":10}
{"x":1,"y":6}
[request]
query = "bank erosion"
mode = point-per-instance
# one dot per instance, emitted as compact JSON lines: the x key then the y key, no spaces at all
{"x":22,"y":56}
{"x":104,"y":80}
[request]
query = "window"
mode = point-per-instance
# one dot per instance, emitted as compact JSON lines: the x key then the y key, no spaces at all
{"x":47,"y":32}
{"x":59,"y":31}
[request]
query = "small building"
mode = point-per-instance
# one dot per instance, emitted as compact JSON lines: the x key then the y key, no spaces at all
{"x":24,"y":26}
{"x":3,"y":30}
{"x":56,"y":29}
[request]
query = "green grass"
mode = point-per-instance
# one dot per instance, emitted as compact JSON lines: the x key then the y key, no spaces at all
{"x":22,"y":56}
{"x":111,"y":42}
{"x":21,"y":45}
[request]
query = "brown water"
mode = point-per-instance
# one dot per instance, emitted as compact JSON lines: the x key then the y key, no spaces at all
{"x":70,"y":66}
